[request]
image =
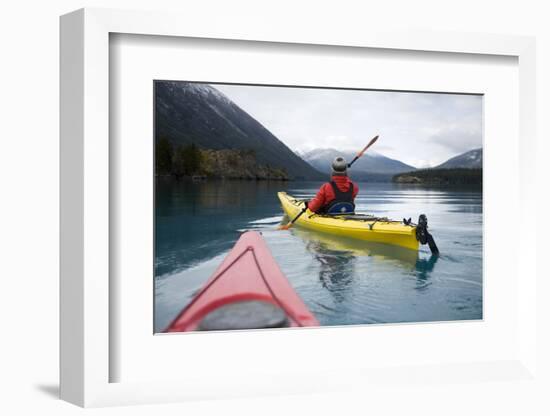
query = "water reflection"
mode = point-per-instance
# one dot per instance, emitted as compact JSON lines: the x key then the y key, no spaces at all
{"x":424,"y":268}
{"x":338,"y":260}
{"x":195,"y":197}
{"x":468,"y":209}
{"x":342,"y":245}
{"x":336,"y":271}
{"x":195,"y":221}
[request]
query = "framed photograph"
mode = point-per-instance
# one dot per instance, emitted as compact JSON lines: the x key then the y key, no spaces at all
{"x":237,"y":207}
{"x":350,"y":260}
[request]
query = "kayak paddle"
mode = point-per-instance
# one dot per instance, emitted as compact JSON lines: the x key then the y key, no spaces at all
{"x":291,"y":223}
{"x":363,"y":151}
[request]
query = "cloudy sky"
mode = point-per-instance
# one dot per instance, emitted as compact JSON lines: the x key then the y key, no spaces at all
{"x":419,"y":129}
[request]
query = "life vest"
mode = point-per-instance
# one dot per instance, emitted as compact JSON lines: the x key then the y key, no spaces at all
{"x":342,"y":202}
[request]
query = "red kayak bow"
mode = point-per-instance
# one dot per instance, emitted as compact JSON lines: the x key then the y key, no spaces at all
{"x":247,"y":291}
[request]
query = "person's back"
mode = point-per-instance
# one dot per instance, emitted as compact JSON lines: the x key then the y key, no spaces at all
{"x":338,"y":195}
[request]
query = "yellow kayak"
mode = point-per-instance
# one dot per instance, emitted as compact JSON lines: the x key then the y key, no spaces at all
{"x":362,"y":227}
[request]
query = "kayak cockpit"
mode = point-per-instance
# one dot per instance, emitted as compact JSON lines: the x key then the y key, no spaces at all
{"x":254,"y":314}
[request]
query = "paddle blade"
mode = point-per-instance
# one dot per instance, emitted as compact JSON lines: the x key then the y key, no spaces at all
{"x":432,"y":245}
{"x":285,"y":227}
{"x":374,"y":139}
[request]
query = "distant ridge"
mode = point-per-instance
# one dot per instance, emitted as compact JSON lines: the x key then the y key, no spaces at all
{"x":371,"y":167}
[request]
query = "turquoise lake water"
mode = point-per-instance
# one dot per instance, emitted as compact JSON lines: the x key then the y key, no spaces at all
{"x":342,"y":281}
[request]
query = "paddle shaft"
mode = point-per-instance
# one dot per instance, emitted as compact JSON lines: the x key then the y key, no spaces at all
{"x":374,"y":139}
{"x":298,"y":216}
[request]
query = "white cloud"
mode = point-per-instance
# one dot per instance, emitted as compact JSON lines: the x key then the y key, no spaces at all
{"x":420,"y":129}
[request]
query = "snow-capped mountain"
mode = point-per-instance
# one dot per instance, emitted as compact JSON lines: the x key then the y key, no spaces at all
{"x":199,"y":113}
{"x":472,"y":159}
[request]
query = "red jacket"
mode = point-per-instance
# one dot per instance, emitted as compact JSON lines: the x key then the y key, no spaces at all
{"x":326,"y":193}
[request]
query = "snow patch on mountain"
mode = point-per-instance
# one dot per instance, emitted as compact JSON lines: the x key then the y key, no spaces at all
{"x":472,"y":159}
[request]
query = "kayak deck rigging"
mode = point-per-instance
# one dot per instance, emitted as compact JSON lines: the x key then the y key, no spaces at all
{"x":349,"y":216}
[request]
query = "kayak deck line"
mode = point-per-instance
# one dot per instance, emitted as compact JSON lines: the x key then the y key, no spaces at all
{"x":375,"y":229}
{"x":248,"y":274}
{"x":349,"y":217}
{"x":352,"y":217}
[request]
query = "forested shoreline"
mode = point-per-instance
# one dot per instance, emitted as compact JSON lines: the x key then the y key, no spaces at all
{"x":191,"y":161}
{"x":458,"y":176}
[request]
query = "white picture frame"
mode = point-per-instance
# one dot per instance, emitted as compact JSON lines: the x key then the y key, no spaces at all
{"x":85,"y":211}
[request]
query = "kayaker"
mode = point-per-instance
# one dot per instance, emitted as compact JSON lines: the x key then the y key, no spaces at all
{"x":338,"y":195}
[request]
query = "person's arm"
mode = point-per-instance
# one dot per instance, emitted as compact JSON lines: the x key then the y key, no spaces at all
{"x":319,"y":201}
{"x":355,"y":190}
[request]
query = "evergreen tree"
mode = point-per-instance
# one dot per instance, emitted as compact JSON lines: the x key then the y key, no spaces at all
{"x":192,"y":159}
{"x":163,"y":157}
{"x":187,"y":160}
{"x":178,"y":163}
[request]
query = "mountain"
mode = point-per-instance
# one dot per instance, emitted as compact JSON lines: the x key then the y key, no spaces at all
{"x":370,"y":165}
{"x":464,"y":169}
{"x":472,"y":159}
{"x":187,"y":113}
